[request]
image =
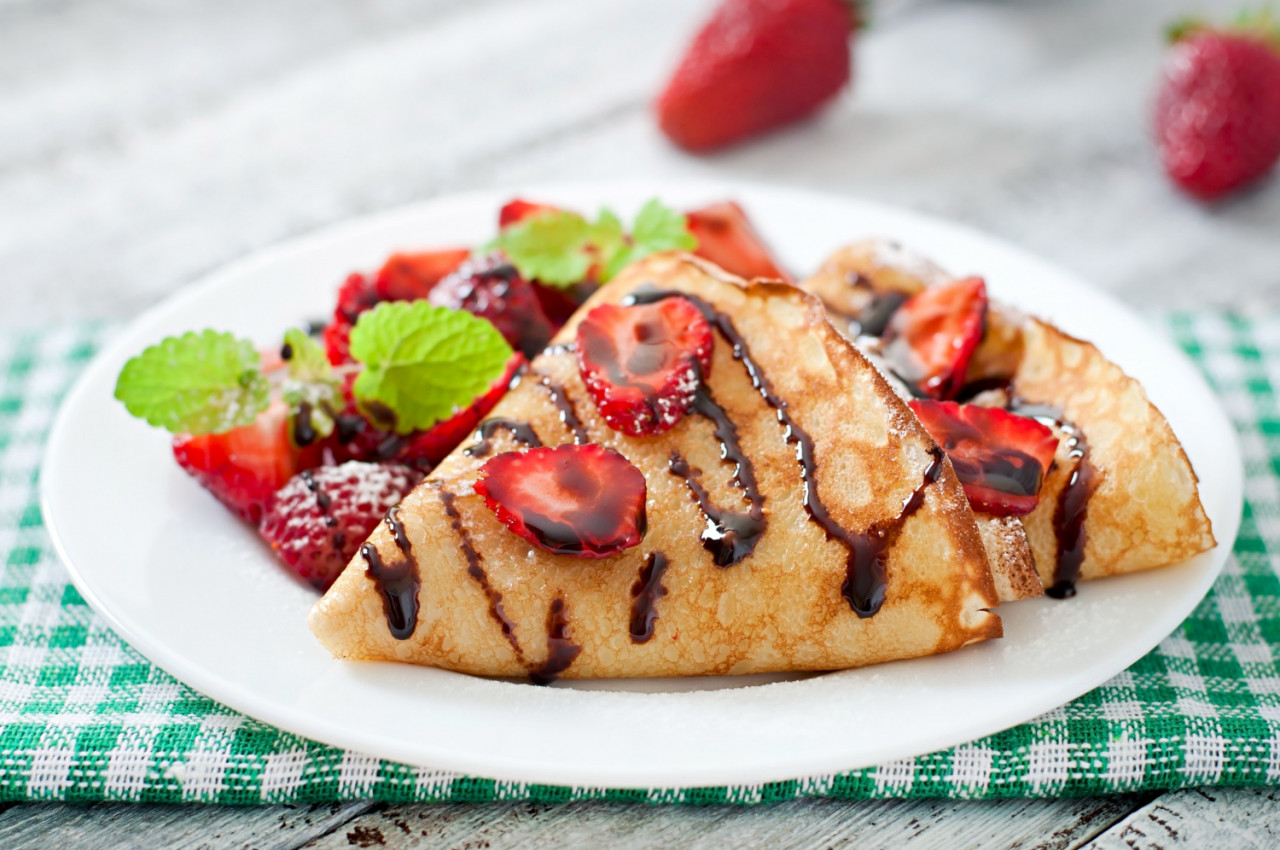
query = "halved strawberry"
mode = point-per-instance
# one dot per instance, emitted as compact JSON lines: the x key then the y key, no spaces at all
{"x":518,"y":209}
{"x":245,"y":466}
{"x":1000,"y":458}
{"x":491,"y":288}
{"x":643,"y":363}
{"x":406,"y":277}
{"x":931,"y":337}
{"x":581,"y":500}
{"x":725,"y":237}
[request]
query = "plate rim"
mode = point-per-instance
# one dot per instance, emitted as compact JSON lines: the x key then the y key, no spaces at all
{"x":234,"y":695}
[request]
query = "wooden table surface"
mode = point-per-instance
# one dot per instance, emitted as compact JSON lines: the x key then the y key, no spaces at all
{"x":143,"y":144}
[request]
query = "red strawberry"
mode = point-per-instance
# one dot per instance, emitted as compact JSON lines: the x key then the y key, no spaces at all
{"x":560,"y":304}
{"x":586,"y":500}
{"x":491,"y":288}
{"x":519,"y":209}
{"x":406,"y":277}
{"x":245,"y":466}
{"x":725,"y":237}
{"x":429,"y":447}
{"x":356,"y":295}
{"x":999,"y":457}
{"x":320,"y":518}
{"x":1218,"y":111}
{"x":931,"y":337}
{"x":643,"y":363}
{"x":754,"y":66}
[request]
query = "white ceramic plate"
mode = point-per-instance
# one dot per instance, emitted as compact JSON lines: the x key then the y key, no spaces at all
{"x":195,"y":591}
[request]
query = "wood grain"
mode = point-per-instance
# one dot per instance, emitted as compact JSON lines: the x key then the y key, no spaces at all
{"x":1211,"y":817}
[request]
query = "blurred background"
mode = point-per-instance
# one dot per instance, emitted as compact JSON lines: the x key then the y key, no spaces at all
{"x":143,"y":144}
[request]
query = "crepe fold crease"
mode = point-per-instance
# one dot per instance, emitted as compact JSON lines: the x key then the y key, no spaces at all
{"x":489,"y":603}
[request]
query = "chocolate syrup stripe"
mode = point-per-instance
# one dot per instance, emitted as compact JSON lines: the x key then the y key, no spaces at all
{"x":521,"y":432}
{"x":564,"y":406}
{"x":864,"y":587}
{"x":645,"y":594}
{"x":1070,"y":512}
{"x":398,"y":583}
{"x":477,"y":572}
{"x":561,"y":650}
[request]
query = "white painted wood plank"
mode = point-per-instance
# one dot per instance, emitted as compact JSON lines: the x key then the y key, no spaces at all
{"x":1244,"y":818}
{"x":124,"y":826}
{"x":920,"y":824}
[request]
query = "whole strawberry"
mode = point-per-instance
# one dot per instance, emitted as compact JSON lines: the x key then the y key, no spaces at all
{"x":754,"y":66}
{"x":319,"y":519}
{"x":1218,"y":111}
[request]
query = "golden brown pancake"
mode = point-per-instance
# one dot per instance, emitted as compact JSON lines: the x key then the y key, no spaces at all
{"x":1136,"y":501}
{"x":491,"y":603}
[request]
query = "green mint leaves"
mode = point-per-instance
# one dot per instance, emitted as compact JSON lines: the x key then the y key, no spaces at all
{"x":423,"y":362}
{"x":197,"y":383}
{"x":560,"y":248}
{"x":311,"y":389}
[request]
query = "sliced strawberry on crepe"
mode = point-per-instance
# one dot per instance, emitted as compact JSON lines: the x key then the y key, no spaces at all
{"x":1001,"y":458}
{"x":643,"y":363}
{"x":405,"y":277}
{"x":586,"y":501}
{"x":725,"y":237}
{"x":931,"y":337}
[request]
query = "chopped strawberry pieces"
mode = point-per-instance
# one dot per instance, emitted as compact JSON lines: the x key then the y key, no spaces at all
{"x":407,"y":277}
{"x":319,"y":518}
{"x":643,"y":363}
{"x":581,"y":500}
{"x":1000,"y":458}
{"x":518,"y":209}
{"x":930,"y":338}
{"x":356,"y":295}
{"x":492,"y":289}
{"x":725,"y":237}
{"x":245,"y":466}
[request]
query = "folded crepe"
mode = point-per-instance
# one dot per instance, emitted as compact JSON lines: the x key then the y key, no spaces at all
{"x":444,"y":583}
{"x":1121,"y":495}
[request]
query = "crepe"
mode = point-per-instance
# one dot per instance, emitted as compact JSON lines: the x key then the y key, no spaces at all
{"x":491,"y":604}
{"x":1134,"y":496}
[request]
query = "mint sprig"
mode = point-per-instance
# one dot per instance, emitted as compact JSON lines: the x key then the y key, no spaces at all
{"x":559,"y":248}
{"x":311,"y":389}
{"x":197,"y":383}
{"x":423,"y":362}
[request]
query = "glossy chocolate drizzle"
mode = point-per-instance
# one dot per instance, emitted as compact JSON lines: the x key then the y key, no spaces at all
{"x":864,"y":586}
{"x":476,"y":571}
{"x":398,"y":583}
{"x":645,"y":594}
{"x":568,"y":413}
{"x":1073,"y":499}
{"x":521,"y":432}
{"x":561,"y":650}
{"x":730,"y":536}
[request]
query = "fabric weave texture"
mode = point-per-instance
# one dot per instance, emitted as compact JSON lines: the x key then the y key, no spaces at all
{"x":83,"y":717}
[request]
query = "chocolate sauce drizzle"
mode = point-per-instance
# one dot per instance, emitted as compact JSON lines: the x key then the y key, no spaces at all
{"x":730,"y":536}
{"x":645,"y":594}
{"x":561,"y":650}
{"x":398,"y":583}
{"x":568,"y":413}
{"x":521,"y":432}
{"x":476,"y":571}
{"x":1073,"y":499}
{"x":864,"y":586}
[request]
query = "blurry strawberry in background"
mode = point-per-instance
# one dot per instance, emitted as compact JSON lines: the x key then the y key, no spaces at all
{"x":757,"y":65}
{"x":1218,"y":111}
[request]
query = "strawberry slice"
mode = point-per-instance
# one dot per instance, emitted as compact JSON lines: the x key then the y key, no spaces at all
{"x":519,"y":209}
{"x":245,"y":466}
{"x":586,"y":501}
{"x":1000,"y":458}
{"x":931,"y":337}
{"x":725,"y":237}
{"x":407,"y":277}
{"x":643,"y":363}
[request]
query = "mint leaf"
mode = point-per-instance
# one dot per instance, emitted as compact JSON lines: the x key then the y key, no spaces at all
{"x":423,"y":362}
{"x":548,"y":247}
{"x":197,"y":383}
{"x":311,"y":389}
{"x":657,"y":228}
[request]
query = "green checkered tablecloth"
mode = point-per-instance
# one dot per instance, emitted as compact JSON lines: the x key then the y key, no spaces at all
{"x":83,"y":717}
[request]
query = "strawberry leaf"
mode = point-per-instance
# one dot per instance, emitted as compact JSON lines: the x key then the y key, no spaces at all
{"x":423,"y":362}
{"x":197,"y":383}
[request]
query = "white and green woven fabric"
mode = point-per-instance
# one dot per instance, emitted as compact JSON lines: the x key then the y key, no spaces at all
{"x":83,"y":717}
